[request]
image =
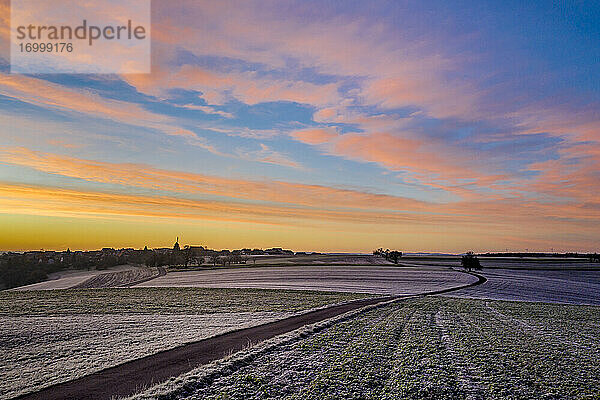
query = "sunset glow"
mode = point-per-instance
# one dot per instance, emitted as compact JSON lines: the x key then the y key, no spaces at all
{"x":324,"y":126}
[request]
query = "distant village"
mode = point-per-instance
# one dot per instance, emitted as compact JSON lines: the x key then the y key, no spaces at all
{"x":176,"y":255}
{"x":17,"y":269}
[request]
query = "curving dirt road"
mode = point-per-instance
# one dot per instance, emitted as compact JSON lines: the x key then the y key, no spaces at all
{"x":128,"y":378}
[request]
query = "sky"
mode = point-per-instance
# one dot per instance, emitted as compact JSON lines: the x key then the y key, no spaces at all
{"x":320,"y":126}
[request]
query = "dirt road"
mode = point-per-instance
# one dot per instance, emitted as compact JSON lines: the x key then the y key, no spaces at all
{"x":127,"y":378}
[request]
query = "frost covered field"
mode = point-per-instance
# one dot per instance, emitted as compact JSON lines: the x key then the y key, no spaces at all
{"x":378,"y":279}
{"x":556,"y":263}
{"x":570,"y":287}
{"x":122,"y":275}
{"x":47,"y":337}
{"x":429,"y":348}
{"x":42,"y":351}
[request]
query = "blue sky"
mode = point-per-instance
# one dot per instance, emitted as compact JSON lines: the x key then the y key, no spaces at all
{"x":422,"y":125}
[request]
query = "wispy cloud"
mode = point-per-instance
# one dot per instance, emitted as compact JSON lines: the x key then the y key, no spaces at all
{"x":294,"y":194}
{"x":267,"y":155}
{"x":208,"y":110}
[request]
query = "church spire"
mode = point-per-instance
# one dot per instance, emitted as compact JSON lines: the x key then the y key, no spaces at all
{"x":176,"y":245}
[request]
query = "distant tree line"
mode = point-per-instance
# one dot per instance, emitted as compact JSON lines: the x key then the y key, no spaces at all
{"x":16,"y":270}
{"x":19,"y":269}
{"x":533,"y":254}
{"x":191,"y":256}
{"x":390,"y":255}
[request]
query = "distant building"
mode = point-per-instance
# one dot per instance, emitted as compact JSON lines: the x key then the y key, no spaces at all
{"x":176,"y":245}
{"x":198,"y":251}
{"x":163,"y":250}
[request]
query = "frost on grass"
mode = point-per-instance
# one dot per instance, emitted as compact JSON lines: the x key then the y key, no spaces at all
{"x":41,"y":351}
{"x":51,"y":337}
{"x":569,"y":287}
{"x":432,"y":348}
{"x":163,"y":301}
{"x":122,"y":275}
{"x":119,"y":278}
{"x":376,"y":279}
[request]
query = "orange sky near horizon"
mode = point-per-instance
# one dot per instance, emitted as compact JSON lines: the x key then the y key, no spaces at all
{"x":326,"y":128}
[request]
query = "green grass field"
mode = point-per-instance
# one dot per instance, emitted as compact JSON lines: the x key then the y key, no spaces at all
{"x":430,"y":348}
{"x":164,"y":301}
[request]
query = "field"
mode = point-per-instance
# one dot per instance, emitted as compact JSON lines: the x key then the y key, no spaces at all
{"x":48,"y":337}
{"x":62,"y":280}
{"x":120,"y":278}
{"x":329,"y":259}
{"x":467,"y":344}
{"x":551,"y":286}
{"x":545,"y":263}
{"x":123,"y":275}
{"x":379,"y":279}
{"x":430,"y":348}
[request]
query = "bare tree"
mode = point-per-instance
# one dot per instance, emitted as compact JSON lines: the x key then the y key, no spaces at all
{"x":187,"y":255}
{"x":394,"y":256}
{"x":470,"y":261}
{"x":390,"y":255}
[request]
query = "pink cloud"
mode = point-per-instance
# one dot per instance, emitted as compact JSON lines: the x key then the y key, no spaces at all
{"x":148,"y":177}
{"x":280,"y":202}
{"x":397,"y":72}
{"x":315,"y":136}
{"x":245,"y":87}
